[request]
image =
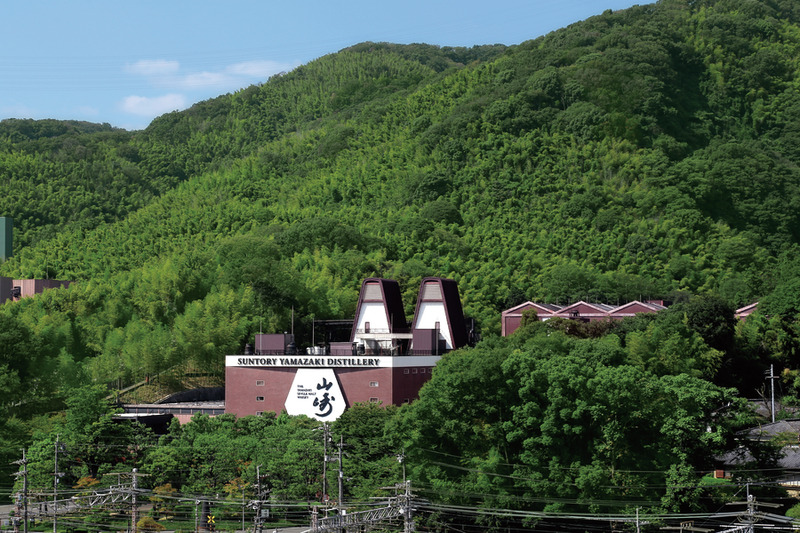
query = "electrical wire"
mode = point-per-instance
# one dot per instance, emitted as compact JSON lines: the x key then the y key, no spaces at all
{"x":520,"y":495}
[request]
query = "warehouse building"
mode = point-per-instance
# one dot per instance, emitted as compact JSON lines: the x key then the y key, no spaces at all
{"x":583,"y":311}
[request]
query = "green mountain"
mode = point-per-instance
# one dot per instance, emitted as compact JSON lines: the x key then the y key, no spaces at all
{"x":646,"y":153}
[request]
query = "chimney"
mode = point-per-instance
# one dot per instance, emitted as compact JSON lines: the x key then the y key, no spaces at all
{"x":6,"y":237}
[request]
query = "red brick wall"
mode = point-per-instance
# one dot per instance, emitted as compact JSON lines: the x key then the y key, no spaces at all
{"x":393,"y":386}
{"x":407,"y":386}
{"x":241,"y":389}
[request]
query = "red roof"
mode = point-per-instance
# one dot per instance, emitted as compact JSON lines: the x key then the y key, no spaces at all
{"x":583,"y":310}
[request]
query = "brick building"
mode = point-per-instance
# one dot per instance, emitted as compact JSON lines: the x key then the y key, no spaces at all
{"x":386,"y":359}
{"x":587,"y":312}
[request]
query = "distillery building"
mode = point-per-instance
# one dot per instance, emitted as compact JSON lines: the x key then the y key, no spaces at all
{"x":386,"y":359}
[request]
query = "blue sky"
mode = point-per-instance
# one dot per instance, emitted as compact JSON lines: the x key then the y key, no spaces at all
{"x":126,"y":62}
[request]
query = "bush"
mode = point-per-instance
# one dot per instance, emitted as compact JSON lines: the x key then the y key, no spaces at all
{"x":148,"y":523}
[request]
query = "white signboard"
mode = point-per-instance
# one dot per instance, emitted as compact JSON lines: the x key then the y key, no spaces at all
{"x":315,"y":393}
{"x":330,"y":361}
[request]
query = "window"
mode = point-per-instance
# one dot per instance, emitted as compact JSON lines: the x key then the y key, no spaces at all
{"x":406,"y":371}
{"x":405,"y":400}
{"x":259,"y":413}
{"x":259,"y":398}
{"x":421,"y":370}
{"x":414,"y":371}
{"x":373,"y":383}
{"x":259,"y":383}
{"x":373,"y":400}
{"x":366,"y":327}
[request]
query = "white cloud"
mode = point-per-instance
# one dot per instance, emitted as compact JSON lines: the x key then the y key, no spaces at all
{"x":153,"y":67}
{"x":170,"y":75}
{"x":203,"y":79}
{"x":257,"y":69}
{"x":152,"y":107}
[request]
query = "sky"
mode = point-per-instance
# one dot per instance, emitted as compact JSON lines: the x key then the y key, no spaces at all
{"x":125,"y":62}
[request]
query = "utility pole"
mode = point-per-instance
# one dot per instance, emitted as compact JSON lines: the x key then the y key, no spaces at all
{"x":134,"y":487}
{"x":24,"y":473}
{"x":24,"y":494}
{"x":56,"y":475}
{"x":260,"y":494}
{"x":772,"y":377}
{"x":408,"y":520}
{"x":325,"y":437}
{"x":341,"y":477}
{"x":258,"y":499}
{"x":751,"y":516}
{"x":401,"y":458}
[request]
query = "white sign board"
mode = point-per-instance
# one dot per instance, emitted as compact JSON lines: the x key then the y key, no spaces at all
{"x":329,"y":361}
{"x":315,"y":393}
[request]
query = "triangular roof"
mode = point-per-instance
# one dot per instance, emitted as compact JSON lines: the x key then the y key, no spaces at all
{"x":447,"y":294}
{"x":546,"y":308}
{"x":519,"y":308}
{"x":636,"y":306}
{"x":584,"y":308}
{"x":386,"y":291}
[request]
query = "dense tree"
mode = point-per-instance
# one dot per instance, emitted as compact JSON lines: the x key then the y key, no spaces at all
{"x":643,"y":153}
{"x":372,"y":456}
{"x":712,"y":318}
{"x":86,"y":441}
{"x":564,"y":425}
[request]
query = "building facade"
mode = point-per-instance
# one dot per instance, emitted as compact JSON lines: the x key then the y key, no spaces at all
{"x":386,"y":360}
{"x":16,"y":289}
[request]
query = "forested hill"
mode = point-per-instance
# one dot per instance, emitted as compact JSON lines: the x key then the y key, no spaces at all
{"x":651,"y":152}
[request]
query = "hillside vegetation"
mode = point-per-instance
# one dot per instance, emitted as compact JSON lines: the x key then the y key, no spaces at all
{"x":646,"y":153}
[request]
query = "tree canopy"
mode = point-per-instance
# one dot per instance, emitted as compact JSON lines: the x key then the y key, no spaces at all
{"x":648,"y":153}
